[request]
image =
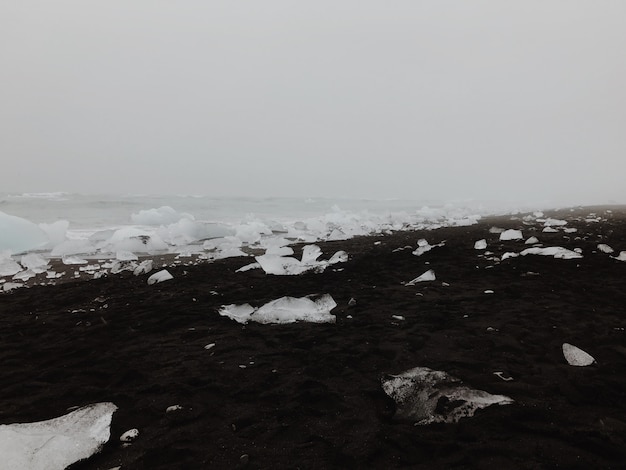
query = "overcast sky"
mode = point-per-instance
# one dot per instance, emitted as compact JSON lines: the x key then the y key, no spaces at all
{"x":413,"y":99}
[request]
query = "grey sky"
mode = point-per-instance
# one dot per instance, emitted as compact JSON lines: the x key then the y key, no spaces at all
{"x":439,"y":99}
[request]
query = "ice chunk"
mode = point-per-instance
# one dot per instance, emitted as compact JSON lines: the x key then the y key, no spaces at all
{"x":480,"y":244}
{"x":160,"y":276}
{"x":286,"y":265}
{"x":8,"y":267}
{"x":509,"y":254}
{"x":556,"y":251}
{"x":248,"y":267}
{"x":511,"y":234}
{"x":605,"y":248}
{"x":310,"y":253}
{"x":284,"y":310}
{"x":73,"y":247}
{"x":549,"y":230}
{"x":427,"y":276}
{"x":621,"y":256}
{"x":339,"y":257}
{"x":136,"y":241}
{"x":126,"y":256}
{"x":24,"y":275}
{"x":73,"y":260}
{"x":532,"y":241}
{"x":496,"y":230}
{"x":143,"y":268}
{"x":56,"y":232}
{"x":423,"y":247}
{"x":9,"y":286}
{"x":429,"y":396}
{"x":34,"y":262}
{"x":56,"y":443}
{"x":19,"y":235}
{"x":164,"y":215}
{"x":576,"y":357}
{"x":554,"y":222}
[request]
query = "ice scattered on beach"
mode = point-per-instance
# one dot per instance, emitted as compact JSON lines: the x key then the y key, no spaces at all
{"x":143,"y":268}
{"x":576,"y":356}
{"x":511,"y":234}
{"x":314,"y":309}
{"x":287,"y":265}
{"x":480,"y":245}
{"x":532,"y":241}
{"x":70,"y":260}
{"x":425,"y":277}
{"x":555,"y":251}
{"x":56,"y":443}
{"x":423,"y":247}
{"x":160,"y":276}
{"x":428,"y":396}
{"x":604,"y":248}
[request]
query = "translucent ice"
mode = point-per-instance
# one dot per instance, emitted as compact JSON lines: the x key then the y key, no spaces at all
{"x":8,"y":267}
{"x":284,"y":310}
{"x":429,"y":396}
{"x":56,"y":232}
{"x":34,"y":262}
{"x":56,"y":443}
{"x":605,"y":248}
{"x":287,"y":265}
{"x":164,"y":215}
{"x":19,"y":235}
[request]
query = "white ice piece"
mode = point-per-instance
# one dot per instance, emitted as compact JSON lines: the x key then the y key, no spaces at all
{"x":71,"y":260}
{"x":532,"y":241}
{"x":56,"y":443}
{"x":427,"y":276}
{"x":56,"y":231}
{"x":604,"y":248}
{"x":8,"y":266}
{"x":314,"y":309}
{"x":556,"y":251}
{"x":423,"y":247}
{"x":428,"y":396}
{"x":34,"y":262}
{"x":126,"y":256}
{"x":576,"y":356}
{"x":554,"y":222}
{"x":480,"y":244}
{"x":621,"y":256}
{"x":511,"y":234}
{"x":130,"y":435}
{"x":509,"y":254}
{"x":160,"y":276}
{"x":287,"y":265}
{"x":18,"y":235}
{"x":143,"y":268}
{"x":549,"y":230}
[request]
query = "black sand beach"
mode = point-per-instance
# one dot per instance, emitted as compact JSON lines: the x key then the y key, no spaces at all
{"x":309,"y":395}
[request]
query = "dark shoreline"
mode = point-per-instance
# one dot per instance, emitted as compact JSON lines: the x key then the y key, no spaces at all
{"x":310,"y":395}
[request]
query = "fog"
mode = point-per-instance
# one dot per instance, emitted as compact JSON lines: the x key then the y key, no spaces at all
{"x":506,"y":100}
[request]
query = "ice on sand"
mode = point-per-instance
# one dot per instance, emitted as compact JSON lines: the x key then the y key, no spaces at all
{"x":428,"y":396}
{"x":56,"y":443}
{"x":621,"y":256}
{"x":287,"y":265}
{"x":423,"y":247}
{"x":532,"y":241}
{"x":511,"y":234}
{"x":36,"y":263}
{"x":480,"y":244}
{"x":576,"y":356}
{"x":427,"y":276}
{"x":555,"y":251}
{"x":160,"y":276}
{"x":19,"y":235}
{"x":8,"y":267}
{"x":605,"y":248}
{"x":284,"y":310}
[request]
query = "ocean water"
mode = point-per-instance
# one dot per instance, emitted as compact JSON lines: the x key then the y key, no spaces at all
{"x":97,"y":212}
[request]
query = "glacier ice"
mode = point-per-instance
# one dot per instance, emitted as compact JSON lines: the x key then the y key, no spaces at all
{"x":604,"y":248}
{"x":18,"y":235}
{"x":576,"y":356}
{"x":8,"y":266}
{"x":427,"y":276}
{"x":480,"y":244}
{"x":287,"y":265}
{"x":428,"y":396}
{"x":556,"y":251}
{"x":531,"y":241}
{"x":56,"y":443}
{"x":35,"y":262}
{"x":160,"y":276}
{"x":511,"y":234}
{"x":314,"y":309}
